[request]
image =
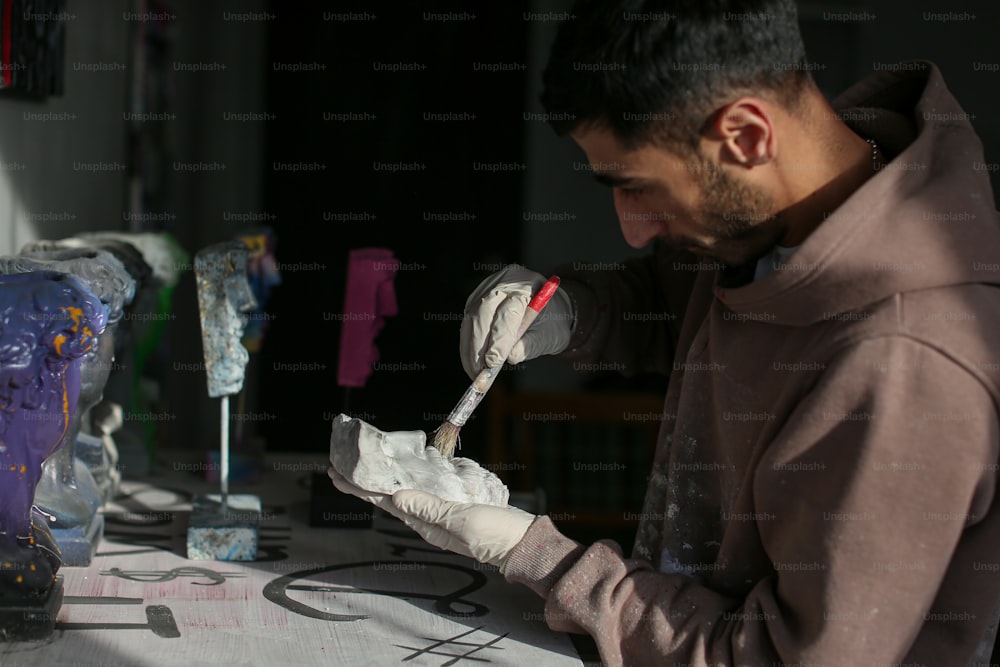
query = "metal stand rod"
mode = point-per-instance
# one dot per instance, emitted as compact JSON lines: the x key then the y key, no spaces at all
{"x":224,"y":444}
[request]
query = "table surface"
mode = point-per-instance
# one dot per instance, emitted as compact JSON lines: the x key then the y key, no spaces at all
{"x":314,"y":596}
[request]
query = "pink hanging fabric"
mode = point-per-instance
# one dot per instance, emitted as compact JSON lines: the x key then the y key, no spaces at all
{"x":369,"y":298}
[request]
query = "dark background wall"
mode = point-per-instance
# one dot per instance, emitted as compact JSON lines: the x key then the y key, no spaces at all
{"x":452,"y":109}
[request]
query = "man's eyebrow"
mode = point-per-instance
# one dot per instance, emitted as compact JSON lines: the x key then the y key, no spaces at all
{"x":611,"y":180}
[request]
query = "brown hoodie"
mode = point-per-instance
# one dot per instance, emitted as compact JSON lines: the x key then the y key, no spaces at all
{"x":823,"y":491}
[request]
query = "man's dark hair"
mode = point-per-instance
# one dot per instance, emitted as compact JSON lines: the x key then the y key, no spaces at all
{"x":653,"y":71}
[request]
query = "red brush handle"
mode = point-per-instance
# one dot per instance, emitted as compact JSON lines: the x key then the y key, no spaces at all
{"x":536,"y":304}
{"x":542,"y":297}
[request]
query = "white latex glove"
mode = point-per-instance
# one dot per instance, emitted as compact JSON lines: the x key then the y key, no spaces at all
{"x":380,"y":500}
{"x":484,"y":532}
{"x":493,"y":314}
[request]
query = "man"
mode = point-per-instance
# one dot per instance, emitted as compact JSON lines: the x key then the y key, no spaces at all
{"x":824,"y":486}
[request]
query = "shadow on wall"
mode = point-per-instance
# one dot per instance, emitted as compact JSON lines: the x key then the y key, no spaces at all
{"x":63,"y":158}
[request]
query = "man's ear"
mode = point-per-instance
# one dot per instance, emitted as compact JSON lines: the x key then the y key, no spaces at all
{"x":744,"y":127}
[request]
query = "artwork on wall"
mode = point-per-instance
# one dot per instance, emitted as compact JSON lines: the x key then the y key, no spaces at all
{"x":33,"y":46}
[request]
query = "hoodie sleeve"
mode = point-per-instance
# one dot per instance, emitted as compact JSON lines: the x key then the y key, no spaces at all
{"x":625,"y":309}
{"x":861,"y":501}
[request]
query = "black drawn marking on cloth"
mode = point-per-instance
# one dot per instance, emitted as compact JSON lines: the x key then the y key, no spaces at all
{"x":277,"y":590}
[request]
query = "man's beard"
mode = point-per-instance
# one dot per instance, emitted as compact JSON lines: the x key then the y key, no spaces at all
{"x":738,"y":217}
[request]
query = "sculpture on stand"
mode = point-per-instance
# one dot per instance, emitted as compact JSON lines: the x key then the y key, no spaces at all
{"x":67,"y":491}
{"x":224,"y":526}
{"x":48,"y":321}
{"x":147,"y":359}
{"x":246,"y":460}
{"x":95,"y":446}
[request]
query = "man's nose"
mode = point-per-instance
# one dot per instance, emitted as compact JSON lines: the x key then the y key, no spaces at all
{"x":639,"y":226}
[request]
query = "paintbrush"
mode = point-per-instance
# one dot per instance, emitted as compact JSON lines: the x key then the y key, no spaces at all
{"x":446,"y":435}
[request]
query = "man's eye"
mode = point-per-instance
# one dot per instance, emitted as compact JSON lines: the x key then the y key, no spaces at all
{"x":631,"y":192}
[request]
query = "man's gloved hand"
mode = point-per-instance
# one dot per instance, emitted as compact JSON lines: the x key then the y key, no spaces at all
{"x":493,"y":314}
{"x":380,"y":500}
{"x":483,"y":532}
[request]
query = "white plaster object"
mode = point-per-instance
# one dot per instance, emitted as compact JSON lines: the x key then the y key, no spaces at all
{"x":386,"y":462}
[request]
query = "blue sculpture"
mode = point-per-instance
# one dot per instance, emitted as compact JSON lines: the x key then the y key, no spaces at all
{"x":67,"y":491}
{"x":48,"y":322}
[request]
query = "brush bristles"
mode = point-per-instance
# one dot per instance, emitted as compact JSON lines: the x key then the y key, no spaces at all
{"x":446,"y":438}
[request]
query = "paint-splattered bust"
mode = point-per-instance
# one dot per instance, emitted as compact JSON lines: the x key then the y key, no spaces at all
{"x":67,"y":491}
{"x":48,"y":321}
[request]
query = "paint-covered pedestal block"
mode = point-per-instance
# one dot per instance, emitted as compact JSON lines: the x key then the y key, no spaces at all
{"x":224,"y":532}
{"x":31,"y":618}
{"x":78,"y":543}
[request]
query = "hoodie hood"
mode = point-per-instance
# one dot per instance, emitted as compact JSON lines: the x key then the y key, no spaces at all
{"x":926,"y":220}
